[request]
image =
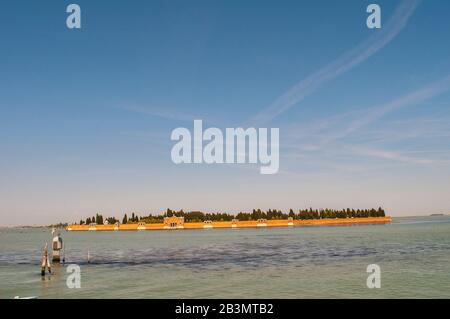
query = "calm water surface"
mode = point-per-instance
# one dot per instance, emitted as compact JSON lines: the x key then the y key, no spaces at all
{"x":308,"y":262}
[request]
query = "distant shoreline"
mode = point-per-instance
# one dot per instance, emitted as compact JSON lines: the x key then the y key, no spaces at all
{"x":65,"y":226}
{"x":176,"y":223}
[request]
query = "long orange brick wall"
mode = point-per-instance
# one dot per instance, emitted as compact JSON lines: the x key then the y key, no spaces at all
{"x":238,"y":224}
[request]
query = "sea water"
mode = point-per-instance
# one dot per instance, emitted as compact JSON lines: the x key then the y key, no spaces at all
{"x":297,"y":262}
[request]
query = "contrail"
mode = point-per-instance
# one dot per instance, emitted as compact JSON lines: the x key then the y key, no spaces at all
{"x":425,"y":93}
{"x":375,"y":113}
{"x":341,"y":65}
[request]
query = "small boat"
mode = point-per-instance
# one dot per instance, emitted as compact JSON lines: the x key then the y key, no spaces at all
{"x":32,"y":297}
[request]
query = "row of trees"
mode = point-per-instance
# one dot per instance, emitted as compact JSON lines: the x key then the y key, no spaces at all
{"x":98,"y":219}
{"x":271,"y":214}
{"x":344,"y":213}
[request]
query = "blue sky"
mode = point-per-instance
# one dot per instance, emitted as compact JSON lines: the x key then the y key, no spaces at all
{"x":86,"y":115}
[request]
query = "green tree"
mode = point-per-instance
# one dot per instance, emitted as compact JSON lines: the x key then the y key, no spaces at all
{"x":291,"y":213}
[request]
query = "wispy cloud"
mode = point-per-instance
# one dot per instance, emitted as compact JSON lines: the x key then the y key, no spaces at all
{"x":163,"y":113}
{"x":332,"y":134}
{"x":403,"y":130}
{"x":377,"y":112}
{"x":341,"y":65}
{"x":174,"y":114}
{"x":392,"y":155}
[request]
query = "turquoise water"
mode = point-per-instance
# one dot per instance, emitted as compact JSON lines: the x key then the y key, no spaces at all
{"x":307,"y":262}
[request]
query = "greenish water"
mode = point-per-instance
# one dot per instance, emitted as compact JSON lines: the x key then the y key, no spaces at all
{"x":313,"y":262}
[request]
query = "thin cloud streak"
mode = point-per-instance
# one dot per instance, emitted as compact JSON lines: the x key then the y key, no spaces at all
{"x":391,"y":155}
{"x":171,"y":114}
{"x":343,"y":64}
{"x":378,"y":112}
{"x":372,"y":115}
{"x":165,"y":114}
{"x":365,"y":118}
